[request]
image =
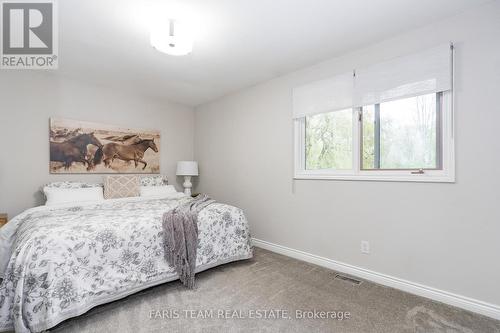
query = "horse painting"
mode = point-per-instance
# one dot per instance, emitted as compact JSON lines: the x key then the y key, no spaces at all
{"x":74,"y":150}
{"x":133,"y":152}
{"x":83,"y":147}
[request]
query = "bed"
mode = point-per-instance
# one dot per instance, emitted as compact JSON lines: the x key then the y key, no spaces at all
{"x":58,"y":262}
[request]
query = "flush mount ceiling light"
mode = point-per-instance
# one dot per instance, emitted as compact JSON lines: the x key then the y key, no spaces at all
{"x":172,"y":36}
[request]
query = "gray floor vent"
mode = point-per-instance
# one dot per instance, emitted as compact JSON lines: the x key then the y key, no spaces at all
{"x":348,"y":279}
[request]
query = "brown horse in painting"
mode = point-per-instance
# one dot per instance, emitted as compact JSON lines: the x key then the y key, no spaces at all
{"x":134,"y":152}
{"x":74,"y":150}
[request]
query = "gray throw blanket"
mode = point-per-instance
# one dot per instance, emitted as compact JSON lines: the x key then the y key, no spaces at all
{"x":180,"y":229}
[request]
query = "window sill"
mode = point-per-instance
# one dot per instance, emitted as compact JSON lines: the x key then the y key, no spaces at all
{"x":425,"y":178}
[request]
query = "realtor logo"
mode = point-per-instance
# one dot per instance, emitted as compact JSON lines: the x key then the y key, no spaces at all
{"x":29,"y":35}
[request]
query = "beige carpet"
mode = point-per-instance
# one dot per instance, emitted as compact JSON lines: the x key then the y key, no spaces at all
{"x":271,"y":283}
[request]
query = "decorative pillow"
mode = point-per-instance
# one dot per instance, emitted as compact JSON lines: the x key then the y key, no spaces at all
{"x":122,"y":186}
{"x":157,"y":191}
{"x":57,"y":196}
{"x":68,"y":185}
{"x":154,"y":181}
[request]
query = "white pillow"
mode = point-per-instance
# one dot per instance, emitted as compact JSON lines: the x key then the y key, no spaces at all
{"x":157,"y":191}
{"x":57,"y":196}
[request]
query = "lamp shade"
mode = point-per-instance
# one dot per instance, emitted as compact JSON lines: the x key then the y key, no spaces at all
{"x":187,"y":168}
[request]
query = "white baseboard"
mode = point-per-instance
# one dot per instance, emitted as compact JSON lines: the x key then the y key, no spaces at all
{"x":486,"y":309}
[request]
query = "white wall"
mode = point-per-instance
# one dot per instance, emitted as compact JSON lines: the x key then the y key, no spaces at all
{"x":441,"y":235}
{"x":28,"y":99}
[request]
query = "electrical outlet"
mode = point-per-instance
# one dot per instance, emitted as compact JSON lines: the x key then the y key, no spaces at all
{"x":365,"y":247}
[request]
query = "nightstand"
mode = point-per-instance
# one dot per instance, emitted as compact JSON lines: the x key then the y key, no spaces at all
{"x":3,"y":219}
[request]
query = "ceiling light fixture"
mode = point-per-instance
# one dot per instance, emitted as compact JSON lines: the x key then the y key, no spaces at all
{"x":172,"y":36}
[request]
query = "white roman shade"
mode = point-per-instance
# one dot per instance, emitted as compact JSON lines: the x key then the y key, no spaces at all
{"x":332,"y":94}
{"x":426,"y":72}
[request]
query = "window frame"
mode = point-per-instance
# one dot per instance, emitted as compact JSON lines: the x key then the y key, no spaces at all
{"x":447,"y":153}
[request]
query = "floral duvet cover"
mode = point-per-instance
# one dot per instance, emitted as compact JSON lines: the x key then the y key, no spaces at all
{"x":59,"y":262}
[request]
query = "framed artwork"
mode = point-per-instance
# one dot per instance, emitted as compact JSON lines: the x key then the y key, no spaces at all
{"x":85,"y":147}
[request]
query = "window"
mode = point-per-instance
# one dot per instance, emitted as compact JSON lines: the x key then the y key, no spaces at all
{"x":402,"y":134}
{"x":391,"y":121}
{"x":408,"y":139}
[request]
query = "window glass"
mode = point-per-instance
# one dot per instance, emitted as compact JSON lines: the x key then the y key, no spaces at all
{"x":328,"y":140}
{"x":368,"y":132}
{"x":401,"y":134}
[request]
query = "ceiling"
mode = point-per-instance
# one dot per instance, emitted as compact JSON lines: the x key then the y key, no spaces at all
{"x":238,"y":42}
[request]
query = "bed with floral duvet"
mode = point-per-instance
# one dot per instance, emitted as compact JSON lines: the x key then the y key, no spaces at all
{"x":59,"y":262}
